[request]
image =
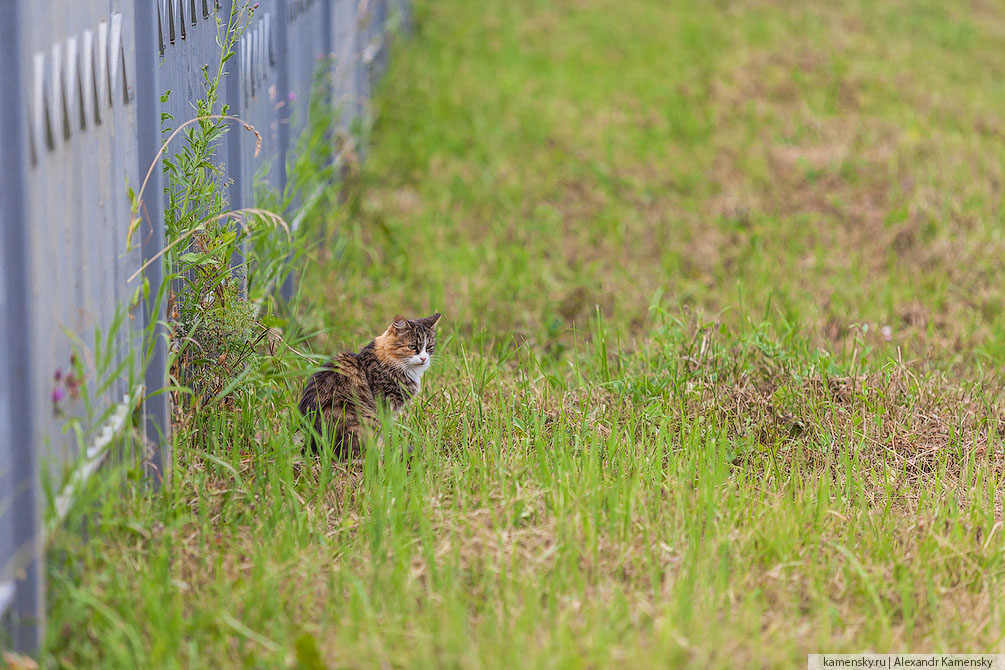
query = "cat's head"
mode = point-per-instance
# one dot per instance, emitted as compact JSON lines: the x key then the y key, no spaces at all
{"x":409,"y":343}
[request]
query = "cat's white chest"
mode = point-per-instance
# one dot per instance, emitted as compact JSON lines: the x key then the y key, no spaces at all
{"x":415,"y":374}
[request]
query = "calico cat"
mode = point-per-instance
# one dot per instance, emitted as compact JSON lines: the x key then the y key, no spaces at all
{"x":344,"y":397}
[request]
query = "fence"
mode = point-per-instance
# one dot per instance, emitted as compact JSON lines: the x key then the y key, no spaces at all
{"x":81,"y":118}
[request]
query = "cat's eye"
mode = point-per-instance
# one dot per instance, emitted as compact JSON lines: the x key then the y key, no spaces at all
{"x":415,"y":347}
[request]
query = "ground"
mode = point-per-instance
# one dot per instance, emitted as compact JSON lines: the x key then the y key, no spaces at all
{"x":718,"y":375}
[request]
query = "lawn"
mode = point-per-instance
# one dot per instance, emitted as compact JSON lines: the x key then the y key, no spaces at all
{"x":718,"y":375}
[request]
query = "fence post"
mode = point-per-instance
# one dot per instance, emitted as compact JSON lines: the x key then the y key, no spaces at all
{"x":148,"y":140}
{"x":282,"y":36}
{"x":231,"y":94}
{"x":21,"y":566}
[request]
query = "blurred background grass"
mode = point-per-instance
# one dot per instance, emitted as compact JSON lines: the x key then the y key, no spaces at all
{"x":816,"y":165}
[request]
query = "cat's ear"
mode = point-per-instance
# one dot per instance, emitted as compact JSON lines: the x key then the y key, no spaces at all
{"x":398,"y":323}
{"x":430,"y":321}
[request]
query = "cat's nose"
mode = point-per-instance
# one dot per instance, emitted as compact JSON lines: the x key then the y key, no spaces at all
{"x":423,"y":358}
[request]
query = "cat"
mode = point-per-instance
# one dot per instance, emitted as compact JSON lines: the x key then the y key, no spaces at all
{"x":342,"y":400}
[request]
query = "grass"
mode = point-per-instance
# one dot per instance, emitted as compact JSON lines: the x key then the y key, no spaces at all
{"x":717,"y":378}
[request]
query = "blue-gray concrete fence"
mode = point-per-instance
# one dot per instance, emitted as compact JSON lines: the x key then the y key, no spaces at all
{"x":80,"y":119}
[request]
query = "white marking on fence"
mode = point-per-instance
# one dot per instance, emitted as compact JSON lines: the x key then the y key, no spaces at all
{"x":88,"y":93}
{"x":94,"y":456}
{"x":245,"y":57}
{"x":104,"y":92}
{"x":39,"y":110}
{"x":6,"y":595}
{"x":58,"y":119}
{"x":260,"y":44}
{"x":69,"y":86}
{"x":268,"y":37}
{"x":114,"y":57}
{"x":73,"y":97}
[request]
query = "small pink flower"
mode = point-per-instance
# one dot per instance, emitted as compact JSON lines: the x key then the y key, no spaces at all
{"x":254,"y":6}
{"x":73,"y":386}
{"x":58,"y":375}
{"x":57,"y":395}
{"x":292,"y":96}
